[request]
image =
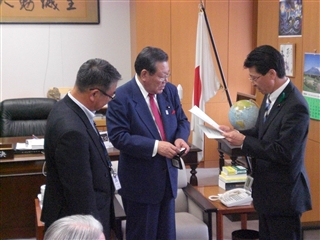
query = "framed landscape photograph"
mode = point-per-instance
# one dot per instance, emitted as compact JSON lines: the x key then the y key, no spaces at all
{"x":288,"y":52}
{"x":50,"y":11}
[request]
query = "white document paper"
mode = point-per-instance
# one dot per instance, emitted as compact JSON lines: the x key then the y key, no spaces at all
{"x":202,"y":115}
{"x":208,"y":131}
{"x":211,"y":133}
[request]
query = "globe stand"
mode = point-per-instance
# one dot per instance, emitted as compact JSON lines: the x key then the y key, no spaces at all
{"x":233,"y":152}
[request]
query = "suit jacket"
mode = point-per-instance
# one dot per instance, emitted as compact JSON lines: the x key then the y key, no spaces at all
{"x":280,"y":183}
{"x":78,"y":178}
{"x":132,"y":130}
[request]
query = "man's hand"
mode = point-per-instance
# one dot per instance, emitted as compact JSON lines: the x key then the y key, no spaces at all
{"x":180,"y":143}
{"x":225,"y":128}
{"x":167,"y":149}
{"x":234,"y":137}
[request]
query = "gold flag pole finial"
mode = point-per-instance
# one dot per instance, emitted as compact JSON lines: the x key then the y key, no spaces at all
{"x":201,"y":6}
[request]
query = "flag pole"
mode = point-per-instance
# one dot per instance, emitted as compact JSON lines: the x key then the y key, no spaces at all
{"x":216,"y":54}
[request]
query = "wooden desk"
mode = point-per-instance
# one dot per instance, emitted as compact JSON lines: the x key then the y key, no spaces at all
{"x":20,"y":181}
{"x":223,"y":210}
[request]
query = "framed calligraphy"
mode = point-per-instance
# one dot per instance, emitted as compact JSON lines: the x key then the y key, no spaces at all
{"x":288,"y":52}
{"x":50,"y":11}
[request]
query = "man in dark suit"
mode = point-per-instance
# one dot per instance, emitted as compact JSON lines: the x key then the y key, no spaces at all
{"x":78,"y":165}
{"x":148,"y":178}
{"x":277,"y":142}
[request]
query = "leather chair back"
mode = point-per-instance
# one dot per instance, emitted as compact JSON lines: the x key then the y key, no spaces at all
{"x":24,"y":116}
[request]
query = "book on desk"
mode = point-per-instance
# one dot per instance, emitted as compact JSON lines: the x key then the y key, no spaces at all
{"x":232,"y":177}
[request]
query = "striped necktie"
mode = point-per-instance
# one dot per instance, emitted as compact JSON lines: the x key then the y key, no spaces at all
{"x":266,"y":109}
{"x":157,"y":116}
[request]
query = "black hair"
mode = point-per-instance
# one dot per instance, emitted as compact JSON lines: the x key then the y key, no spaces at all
{"x":148,"y":58}
{"x":264,"y":58}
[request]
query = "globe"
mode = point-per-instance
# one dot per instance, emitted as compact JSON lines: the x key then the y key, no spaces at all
{"x":243,"y":114}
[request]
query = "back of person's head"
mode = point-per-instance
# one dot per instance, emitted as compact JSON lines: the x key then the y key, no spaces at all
{"x":264,"y":58}
{"x":148,"y":58}
{"x":77,"y":227}
{"x":96,"y":73}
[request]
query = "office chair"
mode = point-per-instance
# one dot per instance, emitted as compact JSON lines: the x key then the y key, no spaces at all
{"x":24,"y":116}
{"x":193,"y":211}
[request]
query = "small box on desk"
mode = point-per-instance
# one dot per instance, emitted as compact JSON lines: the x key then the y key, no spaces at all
{"x":6,"y":151}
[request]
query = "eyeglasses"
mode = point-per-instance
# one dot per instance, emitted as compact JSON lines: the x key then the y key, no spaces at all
{"x":254,"y":78}
{"x":106,"y":94}
{"x":162,"y":79}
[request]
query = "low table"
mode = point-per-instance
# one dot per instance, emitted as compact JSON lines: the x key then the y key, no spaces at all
{"x":223,"y":210}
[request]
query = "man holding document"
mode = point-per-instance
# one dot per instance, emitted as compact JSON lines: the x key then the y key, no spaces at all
{"x":277,"y":142}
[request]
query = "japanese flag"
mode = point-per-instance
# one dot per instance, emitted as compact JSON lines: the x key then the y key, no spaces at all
{"x":206,"y":82}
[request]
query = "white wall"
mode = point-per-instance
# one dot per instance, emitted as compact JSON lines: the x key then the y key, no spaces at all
{"x":36,"y":57}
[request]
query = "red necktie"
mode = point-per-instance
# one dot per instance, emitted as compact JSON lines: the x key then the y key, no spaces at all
{"x":157,"y":116}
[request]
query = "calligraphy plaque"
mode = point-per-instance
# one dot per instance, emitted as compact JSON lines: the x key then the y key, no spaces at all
{"x":49,"y":11}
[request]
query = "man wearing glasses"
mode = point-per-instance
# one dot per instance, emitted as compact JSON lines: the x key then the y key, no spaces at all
{"x":147,"y":124}
{"x":78,"y":165}
{"x":280,"y":190}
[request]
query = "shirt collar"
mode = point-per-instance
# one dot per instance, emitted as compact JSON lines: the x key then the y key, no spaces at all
{"x":143,"y":91}
{"x":90,"y":114}
{"x":276,"y":93}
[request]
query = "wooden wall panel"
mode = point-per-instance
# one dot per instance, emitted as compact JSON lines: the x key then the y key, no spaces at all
{"x":268,"y":15}
{"x":239,"y":46}
{"x":151,"y":27}
{"x":313,"y":169}
{"x":184,"y":17}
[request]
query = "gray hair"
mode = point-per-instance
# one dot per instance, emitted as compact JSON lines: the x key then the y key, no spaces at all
{"x":80,"y":227}
{"x":96,"y":73}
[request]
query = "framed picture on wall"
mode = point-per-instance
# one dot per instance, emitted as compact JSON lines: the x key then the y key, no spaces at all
{"x":288,"y":52}
{"x":63,"y":12}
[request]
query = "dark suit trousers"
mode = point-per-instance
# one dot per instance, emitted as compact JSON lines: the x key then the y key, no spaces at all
{"x":151,"y":221}
{"x":279,"y":227}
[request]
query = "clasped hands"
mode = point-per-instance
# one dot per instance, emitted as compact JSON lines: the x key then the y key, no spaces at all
{"x":233,"y":136}
{"x":169,"y":150}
